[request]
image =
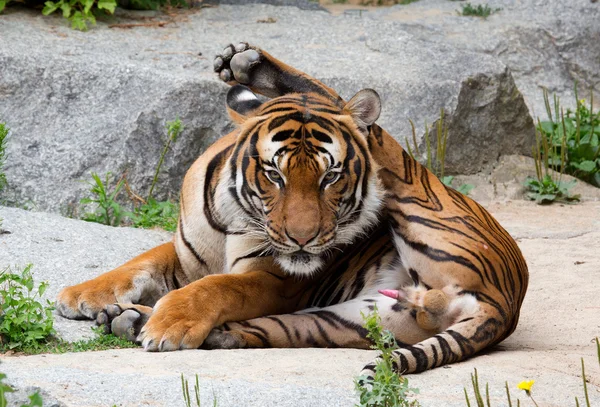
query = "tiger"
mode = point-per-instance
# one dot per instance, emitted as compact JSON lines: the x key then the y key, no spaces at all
{"x":300,"y":221}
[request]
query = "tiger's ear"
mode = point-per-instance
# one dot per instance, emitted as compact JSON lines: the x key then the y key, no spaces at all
{"x":364,"y":107}
{"x":241,"y":102}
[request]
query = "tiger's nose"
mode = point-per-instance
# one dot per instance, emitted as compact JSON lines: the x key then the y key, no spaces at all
{"x":302,"y":237}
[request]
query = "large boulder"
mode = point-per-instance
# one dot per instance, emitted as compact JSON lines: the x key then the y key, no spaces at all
{"x":98,"y":101}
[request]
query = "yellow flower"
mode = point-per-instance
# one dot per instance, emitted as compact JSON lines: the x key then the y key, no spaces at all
{"x":526,"y":385}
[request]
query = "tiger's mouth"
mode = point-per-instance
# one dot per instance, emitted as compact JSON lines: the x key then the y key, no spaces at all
{"x":300,"y":262}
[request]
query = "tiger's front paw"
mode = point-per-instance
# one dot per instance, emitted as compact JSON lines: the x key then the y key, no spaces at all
{"x":86,"y":300}
{"x":235,"y":63}
{"x":176,"y":323}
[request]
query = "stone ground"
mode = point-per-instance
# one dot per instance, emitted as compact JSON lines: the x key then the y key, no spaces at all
{"x":558,"y":322}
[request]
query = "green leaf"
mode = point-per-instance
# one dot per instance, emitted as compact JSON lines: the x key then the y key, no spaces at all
{"x":87,"y":6}
{"x":2,"y":5}
{"x":50,"y":7}
{"x":545,"y":198}
{"x":78,"y":21}
{"x":108,"y":5}
{"x":587,"y":166}
{"x":66,"y":9}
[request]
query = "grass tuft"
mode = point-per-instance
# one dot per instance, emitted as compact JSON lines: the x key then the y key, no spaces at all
{"x":479,"y":10}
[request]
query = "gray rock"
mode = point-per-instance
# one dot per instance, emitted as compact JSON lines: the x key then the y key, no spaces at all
{"x":549,"y":43}
{"x":557,"y":324}
{"x":98,"y":101}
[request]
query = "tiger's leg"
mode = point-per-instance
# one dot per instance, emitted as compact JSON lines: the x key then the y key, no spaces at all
{"x":463,"y":339}
{"x":183,"y":318}
{"x":142,"y":280}
{"x":255,"y":68}
{"x":336,"y":326}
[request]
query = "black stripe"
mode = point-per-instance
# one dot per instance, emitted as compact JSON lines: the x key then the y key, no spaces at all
{"x":189,"y":245}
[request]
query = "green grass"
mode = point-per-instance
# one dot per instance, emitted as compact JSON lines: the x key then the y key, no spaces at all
{"x":386,"y":389}
{"x":479,"y":10}
{"x":185,"y":388}
{"x":100,"y":342}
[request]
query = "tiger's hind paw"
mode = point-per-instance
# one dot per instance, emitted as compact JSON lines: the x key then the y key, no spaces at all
{"x":124,"y":320}
{"x":220,"y":339}
{"x":235,"y":63}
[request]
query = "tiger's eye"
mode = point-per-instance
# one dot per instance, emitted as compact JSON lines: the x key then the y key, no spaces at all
{"x":330,"y":176}
{"x":274,"y":175}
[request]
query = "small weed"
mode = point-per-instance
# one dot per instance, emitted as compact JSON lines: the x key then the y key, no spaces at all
{"x":35,"y":400}
{"x":3,"y":139}
{"x":25,"y":322}
{"x":162,"y":214}
{"x":546,"y":190}
{"x":480,"y":10}
{"x":80,"y":12}
{"x":108,"y":210}
{"x":436,"y":162}
{"x":579,"y":129}
{"x":186,"y":393}
{"x":387,"y":388}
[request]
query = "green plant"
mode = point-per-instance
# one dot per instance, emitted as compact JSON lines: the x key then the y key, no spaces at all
{"x":436,"y":161}
{"x":546,"y":190}
{"x":186,"y":393}
{"x":162,"y":214}
{"x":80,"y":12}
{"x":24,"y":322}
{"x":108,"y":210}
{"x":386,"y":388}
{"x":548,"y":185}
{"x":3,"y":139}
{"x":480,"y":10}
{"x":573,"y":138}
{"x":35,"y":400}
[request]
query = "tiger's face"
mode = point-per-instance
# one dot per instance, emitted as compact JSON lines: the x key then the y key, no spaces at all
{"x":303,"y":174}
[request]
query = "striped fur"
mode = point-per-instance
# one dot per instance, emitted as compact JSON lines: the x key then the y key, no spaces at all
{"x":292,"y":224}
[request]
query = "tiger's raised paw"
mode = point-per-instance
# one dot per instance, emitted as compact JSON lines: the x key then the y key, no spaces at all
{"x":235,"y":63}
{"x":124,"y":320}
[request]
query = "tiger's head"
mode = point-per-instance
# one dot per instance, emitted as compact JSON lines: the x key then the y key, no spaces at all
{"x":302,"y":173}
